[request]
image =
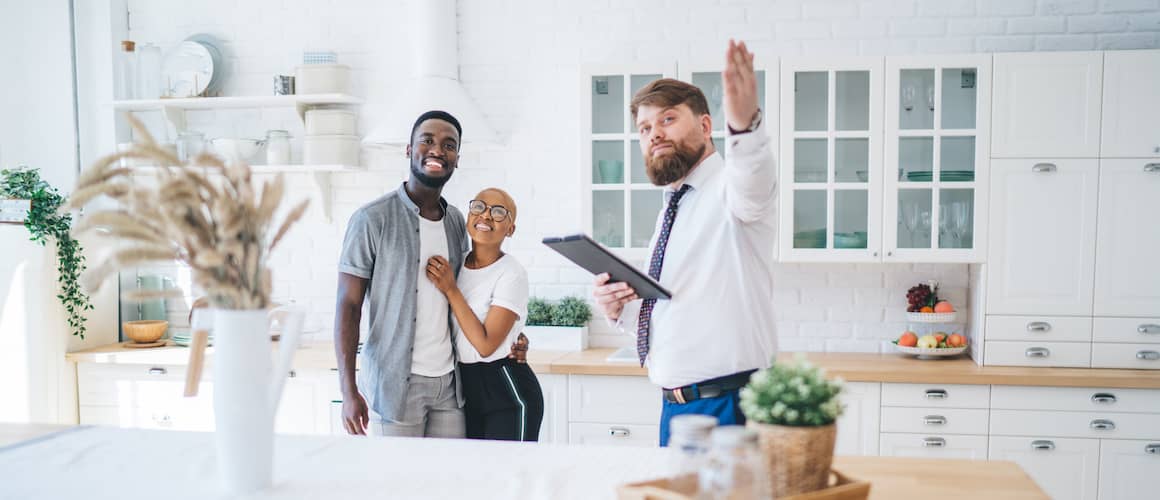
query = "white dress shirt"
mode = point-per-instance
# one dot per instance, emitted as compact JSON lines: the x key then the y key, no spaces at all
{"x":719,"y":267}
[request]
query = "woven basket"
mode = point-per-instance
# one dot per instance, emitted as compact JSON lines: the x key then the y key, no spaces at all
{"x":798,"y":458}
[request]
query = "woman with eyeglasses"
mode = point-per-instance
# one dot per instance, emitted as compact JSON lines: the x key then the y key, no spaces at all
{"x":489,"y":303}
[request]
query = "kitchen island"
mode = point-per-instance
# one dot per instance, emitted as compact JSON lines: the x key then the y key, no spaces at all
{"x":100,"y":462}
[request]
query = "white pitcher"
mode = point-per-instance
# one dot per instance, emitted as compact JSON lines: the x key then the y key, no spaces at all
{"x":247,"y":389}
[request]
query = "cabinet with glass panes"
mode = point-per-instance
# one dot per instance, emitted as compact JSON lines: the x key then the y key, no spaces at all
{"x":936,"y":161}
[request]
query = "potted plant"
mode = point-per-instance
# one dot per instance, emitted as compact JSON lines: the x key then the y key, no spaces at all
{"x":558,"y":327}
{"x":211,"y":217}
{"x":793,"y":407}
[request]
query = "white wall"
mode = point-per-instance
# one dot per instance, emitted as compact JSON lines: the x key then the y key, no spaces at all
{"x":522,"y":61}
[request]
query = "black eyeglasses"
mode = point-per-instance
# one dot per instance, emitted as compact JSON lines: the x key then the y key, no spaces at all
{"x":477,"y":207}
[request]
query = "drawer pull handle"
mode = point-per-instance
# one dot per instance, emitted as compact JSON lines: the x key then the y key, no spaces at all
{"x":1038,"y":352}
{"x":1101,"y":424}
{"x":934,"y":420}
{"x":936,"y":394}
{"x":157,"y":371}
{"x":1147,"y":355}
{"x":1152,"y":448}
{"x":934,"y":442}
{"x":1103,"y":398}
{"x":1043,"y":444}
{"x":1043,"y":167}
{"x":1152,"y":167}
{"x":618,"y":432}
{"x":1038,"y":327}
{"x":1148,"y":329}
{"x":292,"y":374}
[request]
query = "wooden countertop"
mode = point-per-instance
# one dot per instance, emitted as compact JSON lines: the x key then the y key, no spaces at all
{"x":890,"y":477}
{"x":853,"y":367}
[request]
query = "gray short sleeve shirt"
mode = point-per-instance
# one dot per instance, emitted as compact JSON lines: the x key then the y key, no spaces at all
{"x":382,"y":245}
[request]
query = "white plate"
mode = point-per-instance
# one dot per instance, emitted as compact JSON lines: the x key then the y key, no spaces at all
{"x":938,"y":352}
{"x":193,"y":68}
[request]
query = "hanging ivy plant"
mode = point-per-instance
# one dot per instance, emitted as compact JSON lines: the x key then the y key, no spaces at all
{"x":44,"y":224}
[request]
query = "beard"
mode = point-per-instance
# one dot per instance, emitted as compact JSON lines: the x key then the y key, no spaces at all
{"x":667,"y":169}
{"x":429,"y":180}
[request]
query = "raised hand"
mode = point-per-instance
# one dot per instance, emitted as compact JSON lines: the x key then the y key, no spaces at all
{"x":740,"y":82}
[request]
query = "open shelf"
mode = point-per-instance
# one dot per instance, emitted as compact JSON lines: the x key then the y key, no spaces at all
{"x":236,"y":102}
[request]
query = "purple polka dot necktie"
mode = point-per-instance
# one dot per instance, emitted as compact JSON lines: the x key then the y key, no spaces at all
{"x":654,"y":270}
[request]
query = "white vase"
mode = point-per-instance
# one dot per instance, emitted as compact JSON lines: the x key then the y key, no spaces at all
{"x":246,"y":393}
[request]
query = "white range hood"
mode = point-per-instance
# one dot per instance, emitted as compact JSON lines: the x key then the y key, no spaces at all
{"x":435,"y":83}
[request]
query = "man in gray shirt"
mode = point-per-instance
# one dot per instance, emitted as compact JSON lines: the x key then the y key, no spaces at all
{"x":407,"y":368}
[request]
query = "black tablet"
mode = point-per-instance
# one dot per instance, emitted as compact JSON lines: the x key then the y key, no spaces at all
{"x":592,"y":256}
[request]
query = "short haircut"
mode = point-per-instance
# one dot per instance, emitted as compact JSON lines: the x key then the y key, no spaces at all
{"x":437,"y":115}
{"x":667,"y":93}
{"x":509,"y":202}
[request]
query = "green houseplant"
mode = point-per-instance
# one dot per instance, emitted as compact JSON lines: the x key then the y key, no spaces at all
{"x":793,"y":407}
{"x":45,"y":223}
{"x":559,"y":326}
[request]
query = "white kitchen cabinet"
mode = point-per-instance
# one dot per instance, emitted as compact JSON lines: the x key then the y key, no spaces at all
{"x":614,"y":434}
{"x":1041,"y":354}
{"x":1129,"y":470}
{"x":1013,"y":397}
{"x":935,"y":173}
{"x":936,"y":396}
{"x":1041,"y":255}
{"x":1126,"y":330}
{"x":935,"y":420}
{"x":1131,"y":104}
{"x":858,"y":425}
{"x":831,"y":160}
{"x":1047,"y":105}
{"x":1039,"y":328}
{"x":933,"y":446}
{"x":554,"y":427}
{"x":611,"y":399}
{"x":1099,"y":425}
{"x":1127,"y":275}
{"x":1066,"y":469}
{"x":1135,"y":356}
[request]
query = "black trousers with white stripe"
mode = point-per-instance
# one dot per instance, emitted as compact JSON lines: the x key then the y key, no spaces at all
{"x":504,"y":401}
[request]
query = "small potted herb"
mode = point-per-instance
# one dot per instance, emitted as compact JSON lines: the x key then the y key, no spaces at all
{"x":560,"y":326}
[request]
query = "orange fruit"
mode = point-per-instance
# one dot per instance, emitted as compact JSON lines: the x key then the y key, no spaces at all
{"x":944,"y":307}
{"x":956,"y":340}
{"x":926,"y":309}
{"x":940,"y":336}
{"x":908,"y":339}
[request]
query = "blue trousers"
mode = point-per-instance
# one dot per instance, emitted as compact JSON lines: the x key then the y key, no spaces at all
{"x":724,"y":407}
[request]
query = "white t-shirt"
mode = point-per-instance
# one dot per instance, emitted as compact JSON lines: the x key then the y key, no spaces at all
{"x":504,"y":283}
{"x":432,"y":356}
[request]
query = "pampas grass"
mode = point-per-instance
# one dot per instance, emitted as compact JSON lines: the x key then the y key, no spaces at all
{"x":203,"y":213}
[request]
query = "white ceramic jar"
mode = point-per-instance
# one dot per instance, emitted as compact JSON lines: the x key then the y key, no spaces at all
{"x":331,"y":122}
{"x":322,"y":79}
{"x":330,"y":150}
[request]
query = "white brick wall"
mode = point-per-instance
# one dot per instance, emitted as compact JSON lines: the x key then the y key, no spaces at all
{"x":526,"y":81}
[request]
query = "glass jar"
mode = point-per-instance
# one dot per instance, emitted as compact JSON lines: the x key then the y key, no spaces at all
{"x":127,"y":70}
{"x":190,"y":144}
{"x":277,"y":147}
{"x":689,"y":442}
{"x":734,"y":469}
{"x":148,"y":71}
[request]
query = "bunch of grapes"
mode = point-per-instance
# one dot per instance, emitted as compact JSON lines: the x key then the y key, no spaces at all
{"x":919,"y":296}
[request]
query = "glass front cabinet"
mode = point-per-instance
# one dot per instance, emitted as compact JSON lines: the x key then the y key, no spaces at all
{"x":830,"y":160}
{"x":936,"y":161}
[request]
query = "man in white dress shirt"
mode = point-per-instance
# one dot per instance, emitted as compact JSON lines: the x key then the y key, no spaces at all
{"x":712,"y":247}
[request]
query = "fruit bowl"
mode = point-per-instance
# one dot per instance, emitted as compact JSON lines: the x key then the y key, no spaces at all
{"x":929,"y":353}
{"x":145,"y":331}
{"x":921,"y":317}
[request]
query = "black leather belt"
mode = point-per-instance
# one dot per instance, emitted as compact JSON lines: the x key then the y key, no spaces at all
{"x":707,"y":389}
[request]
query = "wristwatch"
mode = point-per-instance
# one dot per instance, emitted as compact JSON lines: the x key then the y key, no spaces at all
{"x":753,"y":124}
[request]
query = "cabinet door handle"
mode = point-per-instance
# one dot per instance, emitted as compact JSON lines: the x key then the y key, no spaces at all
{"x":1103,"y":398}
{"x":1043,"y":444}
{"x":1101,"y":424}
{"x":1152,"y":448}
{"x":936,"y":394}
{"x":618,"y":432}
{"x":1043,"y":167}
{"x":1037,"y":352}
{"x":1038,"y":326}
{"x":156,"y":370}
{"x":1152,"y":167}
{"x":1148,"y":329}
{"x":292,"y":374}
{"x":1147,"y":355}
{"x":933,"y":442}
{"x":934,"y":420}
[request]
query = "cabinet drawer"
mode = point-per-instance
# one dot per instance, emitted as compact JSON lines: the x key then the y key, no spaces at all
{"x":614,"y":434}
{"x":938,"y":420}
{"x":935,"y":396}
{"x":1104,"y":425}
{"x":1064,"y":468}
{"x":1062,"y":354}
{"x":1039,"y":328}
{"x":1139,"y":356}
{"x":613,"y":400}
{"x":933,"y":446}
{"x":1129,"y":470}
{"x":117,"y":385}
{"x":1012,"y":397}
{"x":1136,"y":330}
{"x":183,"y":417}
